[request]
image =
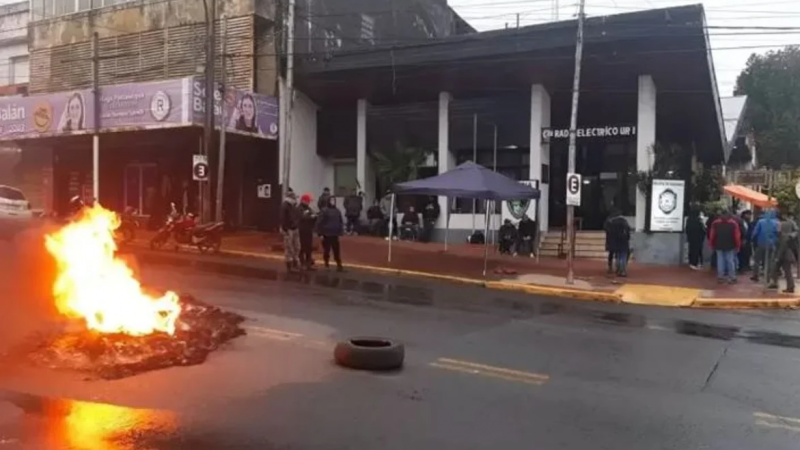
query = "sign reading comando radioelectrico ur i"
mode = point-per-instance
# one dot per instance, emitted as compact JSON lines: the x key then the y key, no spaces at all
{"x":609,"y":131}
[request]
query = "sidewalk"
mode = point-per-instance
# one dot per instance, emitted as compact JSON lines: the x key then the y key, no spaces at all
{"x":463,"y":263}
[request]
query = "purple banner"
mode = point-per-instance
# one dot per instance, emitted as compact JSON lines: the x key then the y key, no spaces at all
{"x":45,"y":115}
{"x":143,"y":105}
{"x":241,"y":111}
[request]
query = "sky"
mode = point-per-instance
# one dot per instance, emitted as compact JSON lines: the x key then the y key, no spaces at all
{"x":730,"y":48}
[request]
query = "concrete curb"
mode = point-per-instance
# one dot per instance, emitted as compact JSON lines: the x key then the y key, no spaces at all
{"x":550,"y":291}
{"x":746,"y":303}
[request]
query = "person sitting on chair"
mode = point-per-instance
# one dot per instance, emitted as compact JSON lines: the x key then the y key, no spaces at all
{"x":375,"y":218}
{"x":507,"y":237}
{"x":527,"y":236}
{"x":410,"y":225}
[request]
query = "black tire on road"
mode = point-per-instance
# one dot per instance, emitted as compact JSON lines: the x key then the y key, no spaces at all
{"x":370,"y":353}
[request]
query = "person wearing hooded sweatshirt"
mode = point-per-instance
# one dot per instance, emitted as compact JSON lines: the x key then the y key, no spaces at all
{"x":726,"y":240}
{"x":290,"y":222}
{"x":308,"y":219}
{"x":330,"y":225}
{"x":765,"y":238}
{"x":353,"y":205}
{"x":784,"y":255}
{"x":695,"y":236}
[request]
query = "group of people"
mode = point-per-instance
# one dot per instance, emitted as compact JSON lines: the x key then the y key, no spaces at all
{"x":517,"y":239}
{"x":298,"y":224}
{"x":766,"y":246}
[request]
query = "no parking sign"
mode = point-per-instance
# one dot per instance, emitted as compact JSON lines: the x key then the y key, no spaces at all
{"x":573,"y":189}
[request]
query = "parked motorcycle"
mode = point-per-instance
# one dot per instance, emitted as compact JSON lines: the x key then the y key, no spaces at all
{"x":185,"y":230}
{"x":126,"y":232}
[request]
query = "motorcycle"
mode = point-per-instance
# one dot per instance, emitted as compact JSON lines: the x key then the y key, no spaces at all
{"x":185,"y":230}
{"x":126,"y":232}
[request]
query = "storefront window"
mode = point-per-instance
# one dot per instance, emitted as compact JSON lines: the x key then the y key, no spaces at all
{"x":141,"y":188}
{"x":511,"y":163}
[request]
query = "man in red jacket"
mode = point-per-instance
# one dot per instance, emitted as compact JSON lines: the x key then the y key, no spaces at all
{"x":725,"y":238}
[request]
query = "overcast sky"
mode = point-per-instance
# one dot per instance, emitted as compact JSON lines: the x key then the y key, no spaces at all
{"x":729,"y":55}
{"x":731,"y":48}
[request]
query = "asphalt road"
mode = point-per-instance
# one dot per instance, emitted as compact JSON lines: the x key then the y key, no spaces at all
{"x":570,"y":376}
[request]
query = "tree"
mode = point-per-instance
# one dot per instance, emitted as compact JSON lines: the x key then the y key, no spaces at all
{"x":399,"y":164}
{"x":771,"y":82}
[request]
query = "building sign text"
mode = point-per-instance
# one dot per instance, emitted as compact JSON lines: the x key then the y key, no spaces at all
{"x":592,"y":132}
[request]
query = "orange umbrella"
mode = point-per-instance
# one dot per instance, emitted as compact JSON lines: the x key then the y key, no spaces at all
{"x":750,"y":196}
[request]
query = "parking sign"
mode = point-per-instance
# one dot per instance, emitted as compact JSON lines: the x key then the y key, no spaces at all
{"x":573,"y":189}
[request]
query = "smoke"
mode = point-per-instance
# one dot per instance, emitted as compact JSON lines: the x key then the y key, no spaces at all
{"x":27,"y":273}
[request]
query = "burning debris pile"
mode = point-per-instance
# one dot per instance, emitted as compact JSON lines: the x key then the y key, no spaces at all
{"x":124,"y":330}
{"x":200,"y":330}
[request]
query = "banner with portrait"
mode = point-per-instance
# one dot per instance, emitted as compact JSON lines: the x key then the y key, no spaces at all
{"x":514,"y":210}
{"x":666,"y":205}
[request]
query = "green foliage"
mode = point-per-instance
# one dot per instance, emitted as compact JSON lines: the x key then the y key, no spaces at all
{"x":772,"y":83}
{"x":706,"y":186}
{"x":399,"y":164}
{"x":667,"y":165}
{"x":785,"y":193}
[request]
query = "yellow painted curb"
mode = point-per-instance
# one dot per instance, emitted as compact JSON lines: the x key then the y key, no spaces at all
{"x":580,"y":294}
{"x":657,"y":295}
{"x":746,"y":303}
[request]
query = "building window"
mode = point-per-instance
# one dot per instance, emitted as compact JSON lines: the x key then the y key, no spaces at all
{"x":18,"y":70}
{"x":344,"y":179}
{"x":43,"y":9}
{"x":367,"y":29}
{"x":141,"y":187}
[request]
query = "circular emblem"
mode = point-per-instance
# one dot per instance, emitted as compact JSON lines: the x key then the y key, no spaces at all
{"x":160,"y":106}
{"x":42,"y":116}
{"x":518,"y":208}
{"x":668,"y":201}
{"x":273,"y":128}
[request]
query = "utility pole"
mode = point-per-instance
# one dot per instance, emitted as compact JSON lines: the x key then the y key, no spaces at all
{"x":573,"y":125}
{"x":517,"y":20}
{"x":96,"y":101}
{"x":223,"y":125}
{"x":208,"y":132}
{"x":287,"y":131}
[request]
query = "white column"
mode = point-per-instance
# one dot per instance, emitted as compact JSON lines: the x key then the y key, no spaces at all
{"x":539,"y":151}
{"x":363,"y":169}
{"x":445,"y":158}
{"x":645,"y":138}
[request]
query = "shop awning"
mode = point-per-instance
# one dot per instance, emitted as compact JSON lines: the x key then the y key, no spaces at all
{"x":754,"y":197}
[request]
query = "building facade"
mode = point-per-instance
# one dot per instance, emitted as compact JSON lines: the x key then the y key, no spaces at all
{"x":503,"y":98}
{"x":149,"y":57}
{"x":14,"y":70}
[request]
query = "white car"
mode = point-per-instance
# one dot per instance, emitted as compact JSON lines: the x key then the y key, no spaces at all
{"x":15,"y":212}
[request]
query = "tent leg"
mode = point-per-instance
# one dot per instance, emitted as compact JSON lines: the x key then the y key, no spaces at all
{"x":391,"y":221}
{"x":485,"y":240}
{"x":447,"y":223}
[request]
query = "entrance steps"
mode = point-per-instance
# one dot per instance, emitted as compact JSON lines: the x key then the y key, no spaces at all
{"x":588,"y":244}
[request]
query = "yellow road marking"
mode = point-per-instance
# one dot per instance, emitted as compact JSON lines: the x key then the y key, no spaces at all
{"x":501,"y":373}
{"x":286,"y":336}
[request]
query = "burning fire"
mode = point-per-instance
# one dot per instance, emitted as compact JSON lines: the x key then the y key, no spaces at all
{"x":94,"y":285}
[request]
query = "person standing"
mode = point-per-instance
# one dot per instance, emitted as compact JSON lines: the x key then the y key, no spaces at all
{"x":746,"y":253}
{"x":784,"y":255}
{"x":695,"y":236}
{"x":430,"y":214}
{"x":330,"y":225}
{"x":765,"y":238}
{"x":618,"y":240}
{"x":526,"y":233}
{"x":353,"y":205}
{"x":290,"y":221}
{"x":322,"y":203}
{"x":308,"y":220}
{"x":726,"y":239}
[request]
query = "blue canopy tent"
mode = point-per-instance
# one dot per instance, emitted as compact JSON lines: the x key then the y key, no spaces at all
{"x":469,"y":180}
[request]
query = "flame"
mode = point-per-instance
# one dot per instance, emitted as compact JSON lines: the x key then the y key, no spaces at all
{"x":94,"y":285}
